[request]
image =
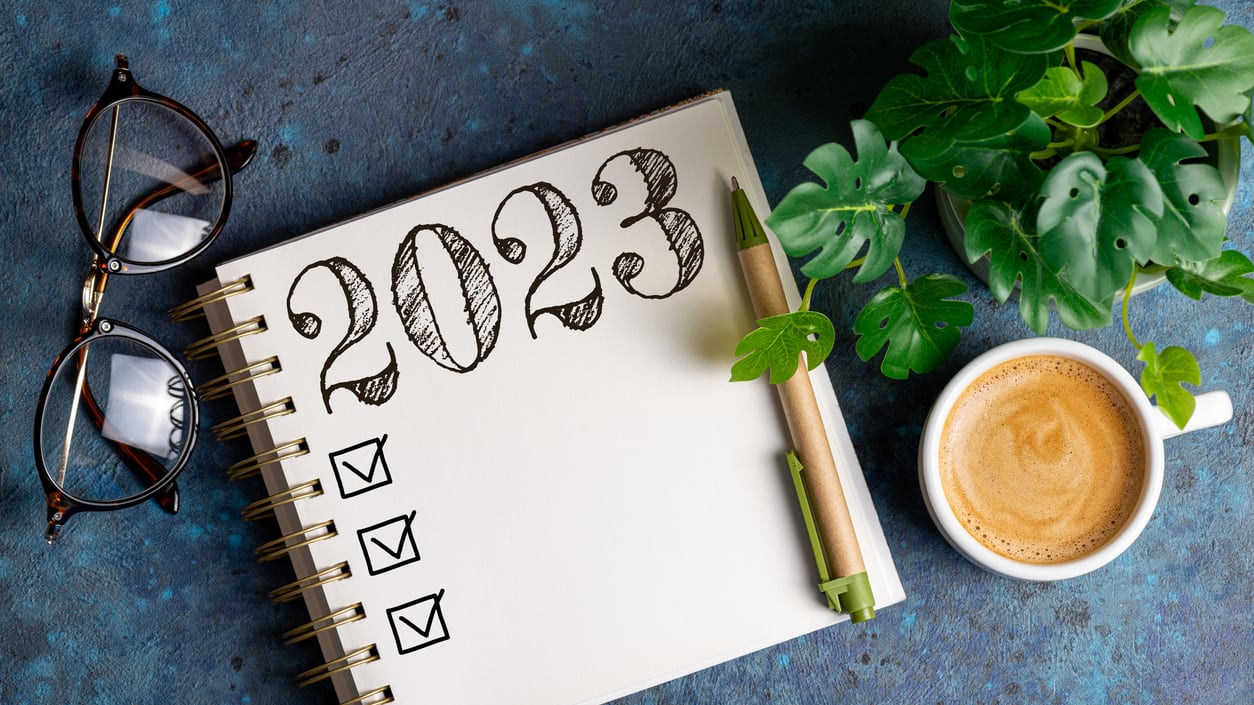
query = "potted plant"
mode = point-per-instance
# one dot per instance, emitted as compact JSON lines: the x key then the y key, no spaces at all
{"x":1068,"y":205}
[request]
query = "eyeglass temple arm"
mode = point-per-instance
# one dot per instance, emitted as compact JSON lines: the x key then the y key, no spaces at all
{"x":238,"y":156}
{"x":59,"y":511}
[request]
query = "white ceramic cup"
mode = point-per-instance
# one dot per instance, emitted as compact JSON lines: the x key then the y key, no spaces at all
{"x":1213,"y":408}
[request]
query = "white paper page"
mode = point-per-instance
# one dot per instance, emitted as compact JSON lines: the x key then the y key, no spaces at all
{"x":567,"y":515}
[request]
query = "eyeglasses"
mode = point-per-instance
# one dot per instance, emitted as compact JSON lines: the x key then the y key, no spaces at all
{"x":117,"y":418}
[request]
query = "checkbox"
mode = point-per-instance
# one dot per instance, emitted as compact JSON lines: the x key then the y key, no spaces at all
{"x":361,"y":468}
{"x":418,"y":624}
{"x":389,"y":544}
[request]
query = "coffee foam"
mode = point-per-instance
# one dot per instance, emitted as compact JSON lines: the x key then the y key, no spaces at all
{"x":1042,"y":459}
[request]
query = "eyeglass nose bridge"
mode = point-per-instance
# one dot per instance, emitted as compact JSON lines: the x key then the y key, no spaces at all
{"x":92,"y":296}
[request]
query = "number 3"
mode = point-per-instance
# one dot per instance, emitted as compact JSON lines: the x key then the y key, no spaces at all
{"x":682,"y":235}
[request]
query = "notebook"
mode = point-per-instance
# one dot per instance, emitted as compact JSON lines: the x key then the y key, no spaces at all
{"x":495,"y":427}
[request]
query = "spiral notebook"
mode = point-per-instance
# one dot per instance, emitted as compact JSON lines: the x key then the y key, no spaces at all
{"x":495,"y":426}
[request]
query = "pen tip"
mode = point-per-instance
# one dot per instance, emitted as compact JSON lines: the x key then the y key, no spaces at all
{"x":735,"y":184}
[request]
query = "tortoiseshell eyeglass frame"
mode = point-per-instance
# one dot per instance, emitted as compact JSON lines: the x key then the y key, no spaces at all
{"x":106,"y":260}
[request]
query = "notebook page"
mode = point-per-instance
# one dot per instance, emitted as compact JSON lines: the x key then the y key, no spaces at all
{"x":515,"y":395}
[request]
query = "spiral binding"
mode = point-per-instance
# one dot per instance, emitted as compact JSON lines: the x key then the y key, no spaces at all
{"x":252,"y":466}
{"x":237,"y":426}
{"x":385,"y":692}
{"x":205,"y":347}
{"x":221,"y":386}
{"x":196,"y":307}
{"x":328,"y":622}
{"x":352,"y":659}
{"x":280,"y":547}
{"x":296,"y":588}
{"x":265,"y":506}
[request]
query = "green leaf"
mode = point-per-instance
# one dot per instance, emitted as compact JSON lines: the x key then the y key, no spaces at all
{"x":1224,"y":275}
{"x":1027,"y":26}
{"x":853,"y":209}
{"x":1163,"y":376}
{"x":1193,"y":223}
{"x":1001,"y":166}
{"x":1199,"y":65}
{"x":1072,"y":98}
{"x":996,"y":229}
{"x":967,"y":95}
{"x":919,"y":324}
{"x":778,"y":343}
{"x":1114,"y":30}
{"x":1097,"y":220}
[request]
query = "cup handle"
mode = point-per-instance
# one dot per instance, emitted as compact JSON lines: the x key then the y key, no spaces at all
{"x":1213,"y":409}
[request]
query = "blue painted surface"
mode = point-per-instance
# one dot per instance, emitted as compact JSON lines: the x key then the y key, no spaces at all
{"x":359,"y":104}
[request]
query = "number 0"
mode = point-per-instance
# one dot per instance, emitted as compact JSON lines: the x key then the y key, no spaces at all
{"x":413,"y":304}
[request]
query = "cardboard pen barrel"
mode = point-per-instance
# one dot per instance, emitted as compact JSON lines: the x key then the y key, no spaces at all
{"x":805,"y":425}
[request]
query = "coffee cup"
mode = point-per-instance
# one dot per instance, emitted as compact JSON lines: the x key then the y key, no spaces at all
{"x":1042,"y":459}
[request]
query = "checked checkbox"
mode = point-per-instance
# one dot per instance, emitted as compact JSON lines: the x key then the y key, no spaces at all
{"x":389,"y":544}
{"x":362,"y":467}
{"x":418,"y":624}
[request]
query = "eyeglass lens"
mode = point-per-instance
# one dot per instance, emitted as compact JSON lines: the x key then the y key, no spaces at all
{"x":151,"y":182}
{"x":113,"y":390}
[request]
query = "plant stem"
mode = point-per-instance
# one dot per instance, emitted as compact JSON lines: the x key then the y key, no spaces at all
{"x":1229,"y":132}
{"x":805,"y":299}
{"x":1051,"y":149}
{"x":1136,"y":93}
{"x":901,"y":273}
{"x":1115,"y":151}
{"x":855,"y":263}
{"x":1127,"y":327}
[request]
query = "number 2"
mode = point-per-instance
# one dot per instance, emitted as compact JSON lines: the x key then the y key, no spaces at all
{"x":567,"y":240}
{"x":362,"y":313}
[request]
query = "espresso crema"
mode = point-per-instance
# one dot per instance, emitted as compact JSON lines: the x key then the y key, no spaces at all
{"x":1042,"y":459}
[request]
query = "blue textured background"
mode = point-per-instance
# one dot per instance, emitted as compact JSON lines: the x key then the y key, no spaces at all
{"x":359,"y":104}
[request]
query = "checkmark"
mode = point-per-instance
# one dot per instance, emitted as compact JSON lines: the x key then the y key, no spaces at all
{"x":423,"y":632}
{"x":361,"y":467}
{"x":389,"y":544}
{"x":418,"y":624}
{"x":365,"y":476}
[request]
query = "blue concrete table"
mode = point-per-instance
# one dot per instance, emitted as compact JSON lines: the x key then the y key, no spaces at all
{"x":359,"y":104}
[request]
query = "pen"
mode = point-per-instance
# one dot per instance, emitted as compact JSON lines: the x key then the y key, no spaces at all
{"x":850,"y":592}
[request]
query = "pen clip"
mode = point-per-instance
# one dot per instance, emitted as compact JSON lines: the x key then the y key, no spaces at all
{"x":849,"y":594}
